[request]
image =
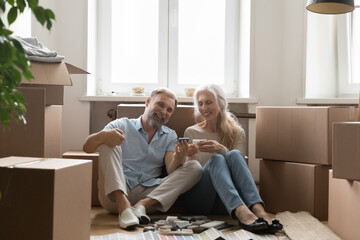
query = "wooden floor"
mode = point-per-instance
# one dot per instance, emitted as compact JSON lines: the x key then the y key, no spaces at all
{"x":103,"y":223}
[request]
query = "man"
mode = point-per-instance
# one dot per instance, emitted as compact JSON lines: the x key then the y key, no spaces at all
{"x":132,"y":154}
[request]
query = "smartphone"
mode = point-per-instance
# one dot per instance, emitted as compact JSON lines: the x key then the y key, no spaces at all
{"x":183,"y":139}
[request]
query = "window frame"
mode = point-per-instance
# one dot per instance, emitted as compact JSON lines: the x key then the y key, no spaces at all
{"x":100,"y":80}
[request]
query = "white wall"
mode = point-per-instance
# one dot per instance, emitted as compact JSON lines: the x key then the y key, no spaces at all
{"x":277,"y":60}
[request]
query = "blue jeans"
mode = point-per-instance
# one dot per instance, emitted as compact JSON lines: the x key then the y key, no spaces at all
{"x":226,"y":183}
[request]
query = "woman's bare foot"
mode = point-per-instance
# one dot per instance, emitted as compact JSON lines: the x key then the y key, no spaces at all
{"x":260,"y":212}
{"x":244,"y":215}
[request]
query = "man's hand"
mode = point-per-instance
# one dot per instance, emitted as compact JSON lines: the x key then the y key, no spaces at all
{"x":181,"y":151}
{"x":113,"y":137}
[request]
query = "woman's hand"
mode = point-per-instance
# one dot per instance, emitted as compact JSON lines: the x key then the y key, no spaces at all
{"x":210,"y":146}
{"x":192,"y":153}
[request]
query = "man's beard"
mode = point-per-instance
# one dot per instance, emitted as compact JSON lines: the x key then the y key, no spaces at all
{"x":152,"y":122}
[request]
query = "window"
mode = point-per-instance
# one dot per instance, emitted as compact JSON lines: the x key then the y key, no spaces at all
{"x":333,"y":55}
{"x":173,"y":43}
{"x":349,"y":37}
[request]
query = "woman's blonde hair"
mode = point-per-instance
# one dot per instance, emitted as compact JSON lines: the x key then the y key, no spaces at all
{"x":227,"y":125}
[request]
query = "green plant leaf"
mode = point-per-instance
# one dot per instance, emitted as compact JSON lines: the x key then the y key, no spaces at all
{"x":11,"y":2}
{"x":12,"y":15}
{"x":5,"y":32}
{"x":5,"y":51}
{"x":2,"y":5}
{"x":21,"y":5}
{"x":48,"y":24}
{"x":33,"y":3}
{"x":50,"y":14}
{"x":40,"y":14}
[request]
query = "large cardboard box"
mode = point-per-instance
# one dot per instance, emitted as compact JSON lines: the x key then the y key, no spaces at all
{"x":344,"y":207}
{"x":346,"y":150}
{"x":52,"y":77}
{"x":288,"y":186}
{"x":182,"y":117}
{"x":298,"y":134}
{"x":45,"y":199}
{"x":94,"y":157}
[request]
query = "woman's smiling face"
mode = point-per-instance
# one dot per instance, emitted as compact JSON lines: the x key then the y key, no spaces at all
{"x":207,"y":105}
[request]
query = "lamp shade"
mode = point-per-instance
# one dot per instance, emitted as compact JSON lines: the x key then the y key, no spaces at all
{"x":330,"y":6}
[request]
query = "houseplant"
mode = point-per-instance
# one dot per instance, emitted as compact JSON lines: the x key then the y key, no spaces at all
{"x":13,"y":62}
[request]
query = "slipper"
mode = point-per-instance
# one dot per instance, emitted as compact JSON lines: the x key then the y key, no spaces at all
{"x":275,"y":226}
{"x":258,"y":225}
{"x":272,"y":228}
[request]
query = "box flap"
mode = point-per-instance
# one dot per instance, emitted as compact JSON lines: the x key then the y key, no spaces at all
{"x":52,"y":73}
{"x":75,"y":70}
{"x":49,"y":74}
{"x":10,"y":161}
{"x":53,"y":163}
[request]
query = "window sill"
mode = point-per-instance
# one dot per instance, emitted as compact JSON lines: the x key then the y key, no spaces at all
{"x":134,"y":99}
{"x":327,"y":101}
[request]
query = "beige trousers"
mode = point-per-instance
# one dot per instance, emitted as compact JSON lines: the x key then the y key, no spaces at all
{"x":112,"y":178}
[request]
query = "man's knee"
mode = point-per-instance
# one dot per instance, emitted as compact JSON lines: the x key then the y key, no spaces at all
{"x":106,"y":150}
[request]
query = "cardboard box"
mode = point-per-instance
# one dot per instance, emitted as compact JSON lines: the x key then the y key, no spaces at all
{"x":298,"y":134}
{"x":40,"y":136}
{"x":94,"y":157}
{"x":346,"y":150}
{"x":288,"y":186}
{"x":344,"y":207}
{"x":182,"y":118}
{"x":52,"y":77}
{"x":45,"y":199}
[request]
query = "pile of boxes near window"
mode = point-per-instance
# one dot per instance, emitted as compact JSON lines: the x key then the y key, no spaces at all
{"x":42,"y":196}
{"x":310,"y":161}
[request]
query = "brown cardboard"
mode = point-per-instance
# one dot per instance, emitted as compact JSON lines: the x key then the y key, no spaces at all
{"x":94,"y":157}
{"x":52,"y":77}
{"x":288,"y":186}
{"x":298,"y":134}
{"x":182,"y":117}
{"x":40,"y":136}
{"x":344,"y":207}
{"x":346,"y":150}
{"x":45,"y":199}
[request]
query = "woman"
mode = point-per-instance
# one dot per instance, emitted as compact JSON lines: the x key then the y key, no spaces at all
{"x":226,"y":183}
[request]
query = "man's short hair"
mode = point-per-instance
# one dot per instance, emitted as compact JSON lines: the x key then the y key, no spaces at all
{"x":166,"y":91}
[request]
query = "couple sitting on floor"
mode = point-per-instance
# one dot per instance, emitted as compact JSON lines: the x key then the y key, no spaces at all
{"x":211,"y":175}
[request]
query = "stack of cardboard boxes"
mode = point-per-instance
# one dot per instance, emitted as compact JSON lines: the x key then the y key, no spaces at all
{"x":344,"y":181}
{"x":42,"y":197}
{"x":44,"y":96}
{"x":295,"y":145}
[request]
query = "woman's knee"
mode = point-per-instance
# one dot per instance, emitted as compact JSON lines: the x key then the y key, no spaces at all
{"x":216,"y":161}
{"x":235,"y":155}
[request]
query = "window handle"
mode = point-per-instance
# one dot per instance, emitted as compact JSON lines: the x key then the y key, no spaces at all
{"x":174,"y":18}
